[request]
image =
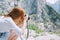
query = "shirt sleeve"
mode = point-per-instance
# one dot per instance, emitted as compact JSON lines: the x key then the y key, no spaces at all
{"x":6,"y":24}
{"x":3,"y":25}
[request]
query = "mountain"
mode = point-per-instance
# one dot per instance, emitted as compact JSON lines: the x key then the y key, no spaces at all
{"x":53,"y":17}
{"x":56,"y":6}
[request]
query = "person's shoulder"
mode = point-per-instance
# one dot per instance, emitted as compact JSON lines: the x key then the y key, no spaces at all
{"x":5,"y":21}
{"x":9,"y":20}
{"x":3,"y":24}
{"x":2,"y":19}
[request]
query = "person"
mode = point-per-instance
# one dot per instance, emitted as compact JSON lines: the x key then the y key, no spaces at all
{"x":16,"y":18}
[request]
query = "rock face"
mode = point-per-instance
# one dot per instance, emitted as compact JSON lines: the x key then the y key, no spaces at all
{"x":7,"y":5}
{"x":38,"y":10}
{"x":30,"y":6}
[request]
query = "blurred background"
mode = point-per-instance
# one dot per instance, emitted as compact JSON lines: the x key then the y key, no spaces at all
{"x":44,"y":23}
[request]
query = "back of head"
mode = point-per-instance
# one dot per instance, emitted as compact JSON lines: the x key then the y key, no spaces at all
{"x":17,"y":12}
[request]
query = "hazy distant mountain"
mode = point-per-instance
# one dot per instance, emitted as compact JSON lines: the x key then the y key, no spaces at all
{"x":56,"y":6}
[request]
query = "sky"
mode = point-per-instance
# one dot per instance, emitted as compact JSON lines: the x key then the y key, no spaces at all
{"x":51,"y":1}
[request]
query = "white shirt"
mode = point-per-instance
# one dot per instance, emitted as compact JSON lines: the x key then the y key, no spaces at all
{"x":6,"y":23}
